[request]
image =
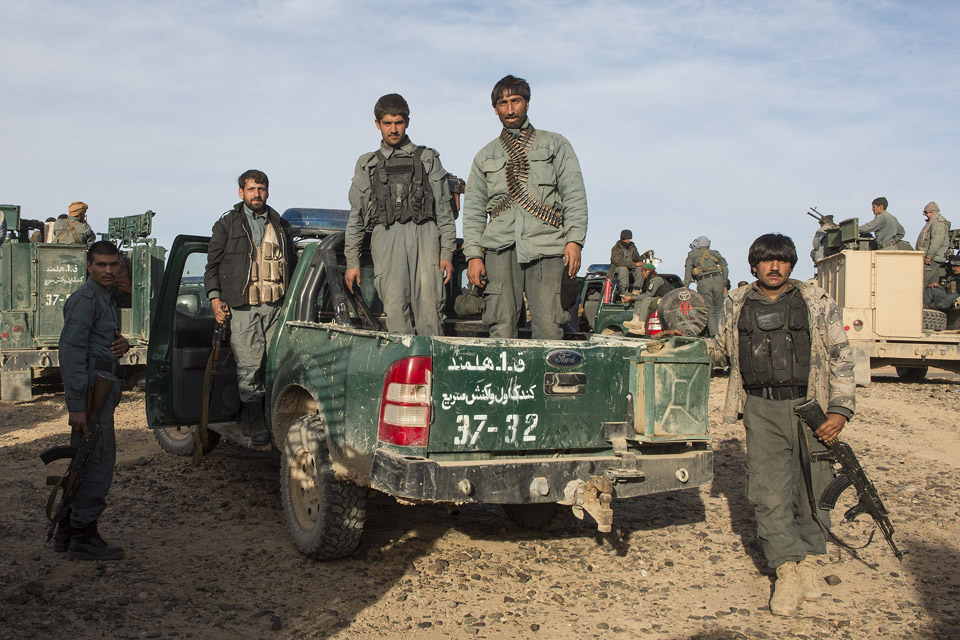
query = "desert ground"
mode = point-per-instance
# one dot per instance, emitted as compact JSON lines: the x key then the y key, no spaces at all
{"x":208,"y":554}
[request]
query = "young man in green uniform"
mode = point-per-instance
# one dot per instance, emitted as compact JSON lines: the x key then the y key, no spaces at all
{"x":524,"y":218}
{"x":886,"y":229}
{"x":400,"y":192}
{"x":91,"y":344}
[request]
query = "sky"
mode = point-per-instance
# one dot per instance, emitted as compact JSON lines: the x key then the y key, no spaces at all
{"x":723,"y":119}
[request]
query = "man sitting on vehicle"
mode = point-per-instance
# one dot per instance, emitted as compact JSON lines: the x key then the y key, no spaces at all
{"x":945,"y":294}
{"x":649,"y":287}
{"x":625,"y":262}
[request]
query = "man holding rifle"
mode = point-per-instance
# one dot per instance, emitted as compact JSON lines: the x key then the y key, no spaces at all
{"x":90,"y":345}
{"x":784,"y":342}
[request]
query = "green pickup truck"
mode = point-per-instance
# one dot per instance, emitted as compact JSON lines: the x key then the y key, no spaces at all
{"x":459,"y":418}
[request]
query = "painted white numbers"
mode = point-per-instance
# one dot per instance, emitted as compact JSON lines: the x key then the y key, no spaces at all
{"x":469,"y":428}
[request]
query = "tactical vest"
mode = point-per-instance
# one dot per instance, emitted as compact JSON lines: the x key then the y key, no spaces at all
{"x":267,"y":277}
{"x":700,"y":270}
{"x":401,"y":190}
{"x":775,"y":342}
{"x":68,"y":229}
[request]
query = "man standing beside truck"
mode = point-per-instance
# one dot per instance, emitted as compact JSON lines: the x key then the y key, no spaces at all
{"x":250,"y":259}
{"x":709,"y":269}
{"x":524,"y":218}
{"x":784,"y":342}
{"x":90,"y":345}
{"x":401,"y":192}
{"x":934,"y":241}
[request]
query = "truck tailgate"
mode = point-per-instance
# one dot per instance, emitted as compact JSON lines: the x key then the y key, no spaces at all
{"x":530,"y":396}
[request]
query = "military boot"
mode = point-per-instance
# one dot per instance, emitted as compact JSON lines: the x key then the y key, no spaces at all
{"x":787,"y":593}
{"x":61,"y":539}
{"x":636,"y":326}
{"x":86,"y":544}
{"x":253,"y":423}
{"x":809,"y":582}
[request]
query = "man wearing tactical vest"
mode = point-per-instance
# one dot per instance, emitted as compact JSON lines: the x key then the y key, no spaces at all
{"x":524,"y":218}
{"x":73,"y":228}
{"x":709,"y":269}
{"x":400,"y":192}
{"x":784,"y":342}
{"x":250,"y":258}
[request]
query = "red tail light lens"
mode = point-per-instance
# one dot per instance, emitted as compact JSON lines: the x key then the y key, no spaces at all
{"x":405,"y":403}
{"x":653,"y":324}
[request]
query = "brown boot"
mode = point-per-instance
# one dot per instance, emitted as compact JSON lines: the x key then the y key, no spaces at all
{"x":809,"y":581}
{"x":786,"y":592}
{"x":636,"y":326}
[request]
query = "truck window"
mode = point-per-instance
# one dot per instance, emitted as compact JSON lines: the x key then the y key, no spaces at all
{"x":192,"y":297}
{"x":368,"y":291}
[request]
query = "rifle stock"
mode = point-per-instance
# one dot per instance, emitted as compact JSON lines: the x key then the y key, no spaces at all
{"x":851,"y":473}
{"x":67,"y":485}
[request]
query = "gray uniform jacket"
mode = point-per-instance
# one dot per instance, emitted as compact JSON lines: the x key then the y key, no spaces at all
{"x":936,"y":244}
{"x":885,"y":228}
{"x":555,"y":180}
{"x":624,"y":255}
{"x":89,"y":322}
{"x":361,"y":207}
{"x":231,"y":251}
{"x":695,"y":258}
{"x":831,"y":379}
{"x":71,"y":231}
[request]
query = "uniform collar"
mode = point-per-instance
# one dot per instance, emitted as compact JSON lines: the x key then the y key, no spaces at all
{"x":516,"y":132}
{"x":406,"y":146}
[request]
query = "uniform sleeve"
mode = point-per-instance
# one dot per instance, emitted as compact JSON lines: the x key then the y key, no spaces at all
{"x":211,"y":275}
{"x":938,"y":240}
{"x":359,"y":196}
{"x":841,"y":379}
{"x":724,"y":271}
{"x":78,"y":319}
{"x":688,"y":270}
{"x":572,"y":193}
{"x":441,"y":198}
{"x":718,"y":347}
{"x":868,"y":227}
{"x":474,"y":211}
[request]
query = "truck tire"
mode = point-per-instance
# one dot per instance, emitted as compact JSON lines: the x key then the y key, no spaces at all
{"x":179,"y":440}
{"x":934,"y":320}
{"x":325,"y":515}
{"x":912,"y":374}
{"x":543,"y":516}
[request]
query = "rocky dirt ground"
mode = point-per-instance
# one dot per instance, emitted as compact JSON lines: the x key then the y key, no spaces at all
{"x":208,"y":555}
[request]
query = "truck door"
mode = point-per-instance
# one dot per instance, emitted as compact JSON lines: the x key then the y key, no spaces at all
{"x":181,"y":337}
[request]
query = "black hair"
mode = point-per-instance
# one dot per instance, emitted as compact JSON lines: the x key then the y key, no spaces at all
{"x":880,"y":202}
{"x":510,"y":86}
{"x":258,"y":177}
{"x":772,"y":246}
{"x":101,"y":248}
{"x":391,"y":104}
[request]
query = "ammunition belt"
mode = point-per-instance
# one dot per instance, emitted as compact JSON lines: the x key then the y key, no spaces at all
{"x":517,"y":173}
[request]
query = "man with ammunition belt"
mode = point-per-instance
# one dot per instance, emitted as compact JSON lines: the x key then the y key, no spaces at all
{"x":886,"y":229}
{"x":934,"y":241}
{"x":90,"y":344}
{"x":524,"y":218}
{"x":401,"y":193}
{"x":73,"y":228}
{"x":250,"y":259}
{"x":709,"y":269}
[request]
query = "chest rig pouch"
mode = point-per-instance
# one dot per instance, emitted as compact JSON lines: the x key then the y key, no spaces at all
{"x":401,"y":190}
{"x":775,"y":342}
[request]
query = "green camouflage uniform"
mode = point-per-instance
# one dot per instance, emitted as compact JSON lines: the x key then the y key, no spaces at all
{"x":775,"y":484}
{"x":523,"y":253}
{"x":886,"y":229}
{"x":406,"y":255}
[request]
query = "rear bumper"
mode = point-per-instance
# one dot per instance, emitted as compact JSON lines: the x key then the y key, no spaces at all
{"x":536,"y":479}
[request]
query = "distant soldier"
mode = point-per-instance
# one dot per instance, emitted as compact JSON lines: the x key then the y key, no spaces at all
{"x":649,"y":286}
{"x":886,"y":229}
{"x":74,"y":229}
{"x":945,"y":294}
{"x":820,"y":238}
{"x":400,"y":192}
{"x":934,"y":241}
{"x":90,"y":345}
{"x":625,"y":262}
{"x":709,"y":269}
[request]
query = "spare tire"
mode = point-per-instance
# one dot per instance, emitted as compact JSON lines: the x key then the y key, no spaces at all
{"x":683,"y":309}
{"x":934,"y":320}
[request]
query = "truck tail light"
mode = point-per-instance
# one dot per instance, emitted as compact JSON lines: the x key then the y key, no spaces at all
{"x":405,"y":404}
{"x":653,"y":324}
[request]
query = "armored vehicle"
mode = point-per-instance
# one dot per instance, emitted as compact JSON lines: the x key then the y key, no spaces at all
{"x":881,"y":296}
{"x":36,"y":278}
{"x":531,"y":425}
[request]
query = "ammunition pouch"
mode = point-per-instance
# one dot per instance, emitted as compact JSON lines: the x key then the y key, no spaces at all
{"x":775,"y":343}
{"x":401,"y":190}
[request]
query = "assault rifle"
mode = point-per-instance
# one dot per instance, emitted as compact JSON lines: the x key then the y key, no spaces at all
{"x":68,"y":484}
{"x":850,"y":473}
{"x":201,"y":435}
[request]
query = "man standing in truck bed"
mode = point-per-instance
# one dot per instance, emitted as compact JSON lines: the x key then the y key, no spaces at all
{"x":249,"y":262}
{"x":709,"y":269}
{"x":401,"y":193}
{"x":886,"y":229}
{"x":934,"y":241}
{"x":524,"y":218}
{"x":73,"y":228}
